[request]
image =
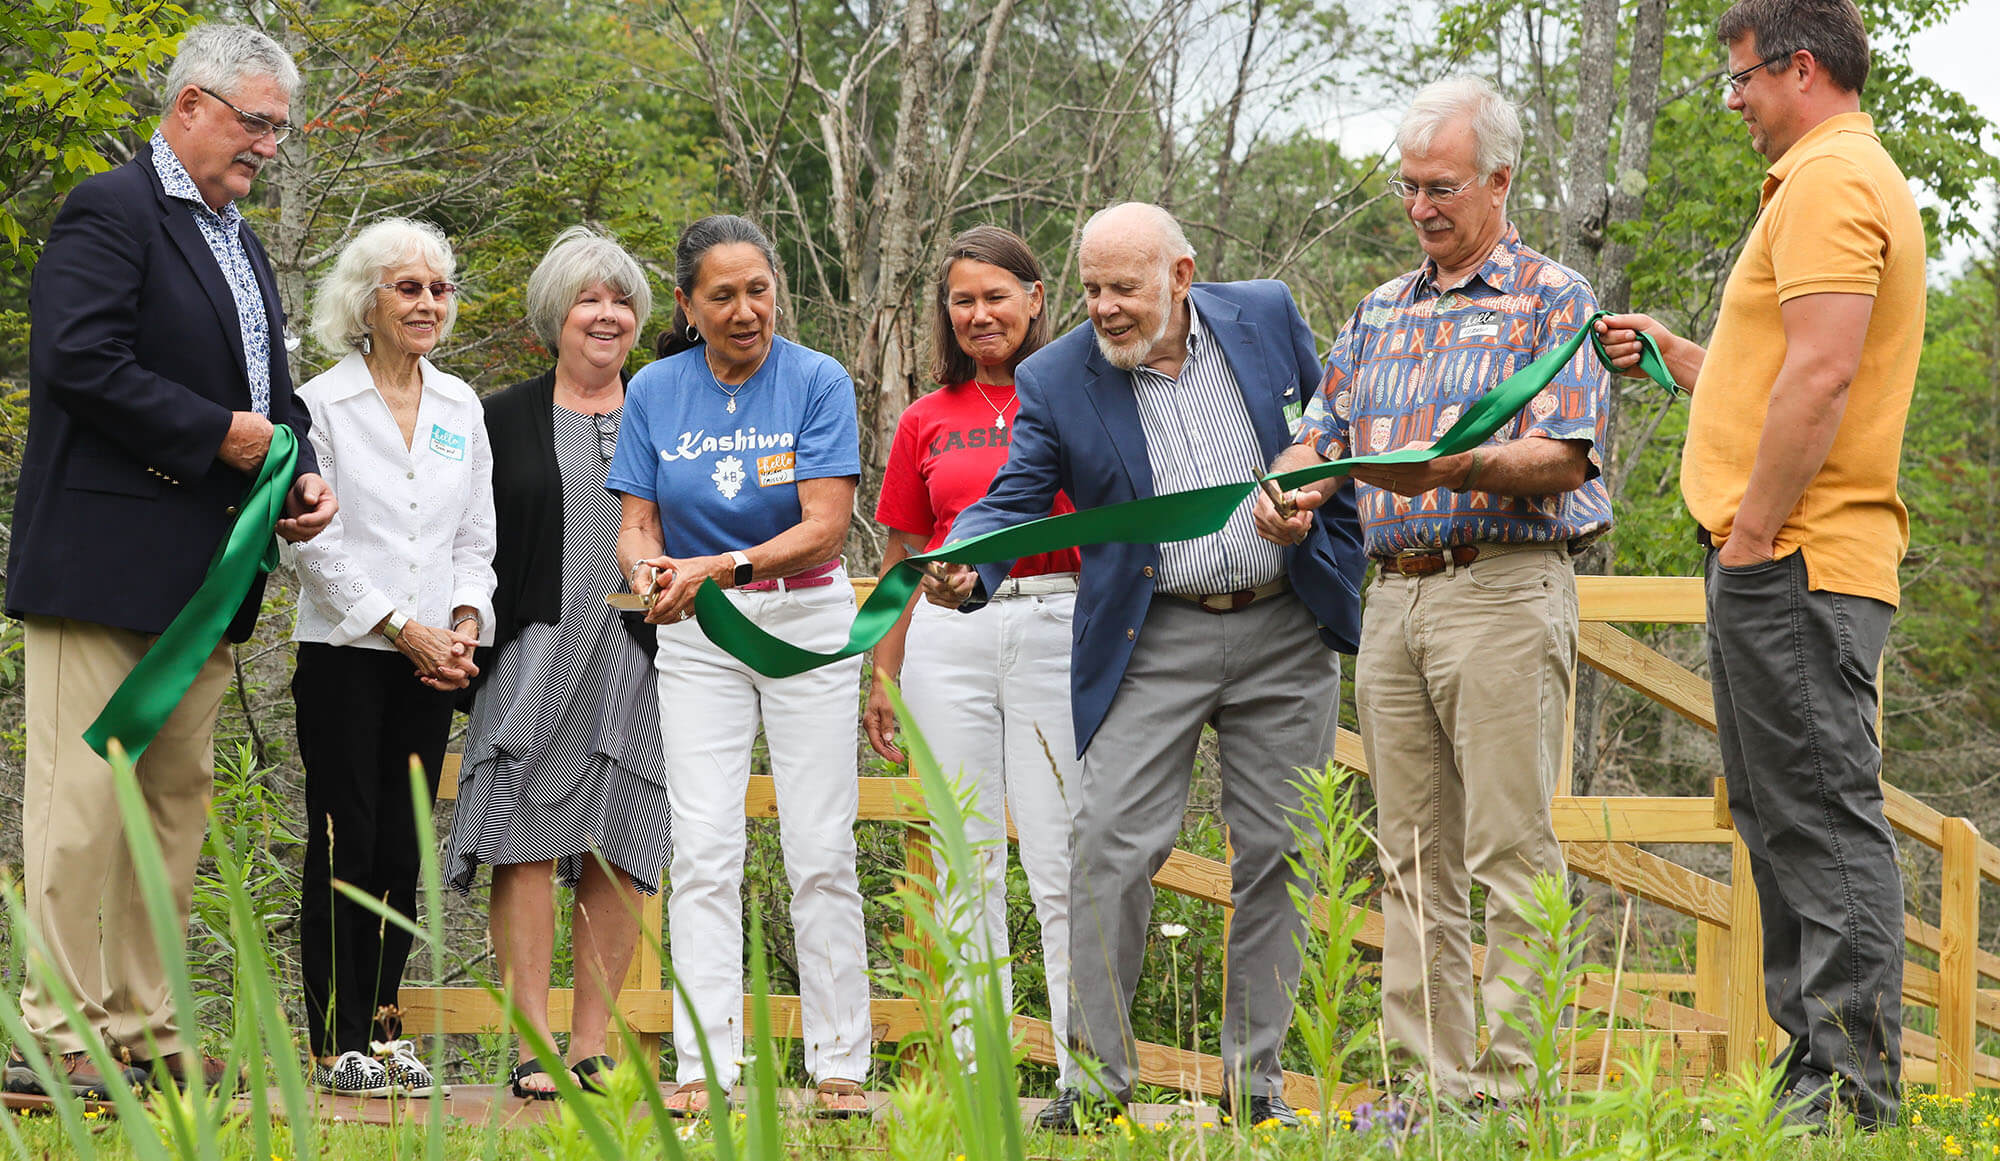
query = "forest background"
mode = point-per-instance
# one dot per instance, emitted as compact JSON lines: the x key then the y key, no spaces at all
{"x":862,"y":133}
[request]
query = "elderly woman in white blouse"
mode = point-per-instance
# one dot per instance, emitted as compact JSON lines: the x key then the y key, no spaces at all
{"x":393,"y":597}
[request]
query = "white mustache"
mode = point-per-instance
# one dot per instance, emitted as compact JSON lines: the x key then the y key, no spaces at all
{"x":250,"y":159}
{"x":1433,"y":225}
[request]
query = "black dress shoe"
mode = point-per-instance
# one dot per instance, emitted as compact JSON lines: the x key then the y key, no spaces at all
{"x":1271,"y":1108}
{"x":1063,"y":1114}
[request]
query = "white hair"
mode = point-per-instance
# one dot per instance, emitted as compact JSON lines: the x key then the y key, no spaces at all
{"x":579,"y":259}
{"x":1496,"y":127}
{"x":1172,"y":240}
{"x":347,"y":294}
{"x":222,"y":56}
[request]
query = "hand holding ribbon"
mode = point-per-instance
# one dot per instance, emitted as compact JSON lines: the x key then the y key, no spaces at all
{"x":1157,"y":520}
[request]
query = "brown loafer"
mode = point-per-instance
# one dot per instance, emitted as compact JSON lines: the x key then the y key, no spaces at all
{"x":173,"y":1067}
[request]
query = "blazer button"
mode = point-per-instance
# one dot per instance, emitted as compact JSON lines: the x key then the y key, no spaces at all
{"x":229,"y":511}
{"x":1131,"y":634}
{"x":1147,"y":571}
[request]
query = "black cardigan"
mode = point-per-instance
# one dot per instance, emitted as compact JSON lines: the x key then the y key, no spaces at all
{"x":528,"y":513}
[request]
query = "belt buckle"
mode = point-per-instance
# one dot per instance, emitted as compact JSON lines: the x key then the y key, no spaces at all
{"x":1404,"y":556}
{"x":1218,"y":602}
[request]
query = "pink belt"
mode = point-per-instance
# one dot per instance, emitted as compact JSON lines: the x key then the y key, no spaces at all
{"x":811,"y":578}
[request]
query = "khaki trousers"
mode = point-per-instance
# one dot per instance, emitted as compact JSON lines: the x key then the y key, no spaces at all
{"x":82,"y":890}
{"x":1461,"y":688}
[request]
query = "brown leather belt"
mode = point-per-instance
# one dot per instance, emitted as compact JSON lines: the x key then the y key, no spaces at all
{"x":1420,"y":562}
{"x":1220,"y":603}
{"x":1425,"y":561}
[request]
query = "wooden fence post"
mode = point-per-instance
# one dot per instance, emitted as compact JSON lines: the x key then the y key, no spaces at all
{"x":1958,"y":980}
{"x":1753,"y":1038}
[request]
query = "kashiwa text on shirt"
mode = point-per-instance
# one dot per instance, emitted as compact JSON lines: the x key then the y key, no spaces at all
{"x":725,"y":480}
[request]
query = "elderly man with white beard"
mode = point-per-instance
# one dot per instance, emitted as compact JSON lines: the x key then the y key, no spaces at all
{"x":1174,"y":385}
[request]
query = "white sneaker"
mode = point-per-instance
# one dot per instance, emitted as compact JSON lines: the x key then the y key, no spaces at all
{"x":408,"y":1074}
{"x":351,"y":1075}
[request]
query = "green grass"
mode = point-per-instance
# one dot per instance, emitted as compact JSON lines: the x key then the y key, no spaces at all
{"x":943,"y":1110}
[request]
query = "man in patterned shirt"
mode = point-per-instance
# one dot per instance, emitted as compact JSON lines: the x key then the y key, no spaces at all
{"x":155,"y":374}
{"x":1468,"y":639}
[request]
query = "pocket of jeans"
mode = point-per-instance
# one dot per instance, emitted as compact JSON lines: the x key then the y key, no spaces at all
{"x":1751,"y":569}
{"x":1518,"y":572}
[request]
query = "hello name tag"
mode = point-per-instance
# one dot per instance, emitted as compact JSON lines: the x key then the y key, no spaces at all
{"x":447,"y":444}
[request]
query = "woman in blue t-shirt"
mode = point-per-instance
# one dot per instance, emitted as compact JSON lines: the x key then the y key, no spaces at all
{"x":737,"y":462}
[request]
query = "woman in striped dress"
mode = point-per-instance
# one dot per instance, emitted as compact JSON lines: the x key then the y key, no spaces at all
{"x":562,"y":774}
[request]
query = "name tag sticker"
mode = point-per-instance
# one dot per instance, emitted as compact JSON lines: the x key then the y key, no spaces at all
{"x":448,"y":444}
{"x":1484,"y":325}
{"x":775,"y":469}
{"x":1294,"y":412}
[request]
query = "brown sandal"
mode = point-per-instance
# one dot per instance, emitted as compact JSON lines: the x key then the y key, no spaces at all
{"x":688,"y":1100}
{"x":836,"y":1098}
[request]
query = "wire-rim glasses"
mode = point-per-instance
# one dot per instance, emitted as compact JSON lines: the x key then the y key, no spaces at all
{"x":253,"y":124}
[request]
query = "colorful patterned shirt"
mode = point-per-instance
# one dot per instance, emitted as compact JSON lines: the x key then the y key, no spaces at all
{"x":223,"y":231}
{"x":1413,"y":357}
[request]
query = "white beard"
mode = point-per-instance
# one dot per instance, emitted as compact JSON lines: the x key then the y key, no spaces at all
{"x":1129,"y":358}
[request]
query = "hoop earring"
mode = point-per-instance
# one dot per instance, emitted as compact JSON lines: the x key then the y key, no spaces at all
{"x":693,"y":336}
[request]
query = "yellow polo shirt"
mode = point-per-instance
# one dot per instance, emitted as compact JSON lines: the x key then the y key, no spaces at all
{"x":1836,"y":217}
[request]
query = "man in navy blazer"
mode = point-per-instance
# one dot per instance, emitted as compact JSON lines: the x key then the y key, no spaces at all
{"x":156,"y":370}
{"x":1175,"y":385}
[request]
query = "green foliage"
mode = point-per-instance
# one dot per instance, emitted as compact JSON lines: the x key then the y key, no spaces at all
{"x":1333,"y":845}
{"x":64,"y":89}
{"x":1555,"y":956}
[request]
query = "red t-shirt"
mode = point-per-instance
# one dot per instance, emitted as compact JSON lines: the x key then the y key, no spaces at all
{"x":949,"y":445}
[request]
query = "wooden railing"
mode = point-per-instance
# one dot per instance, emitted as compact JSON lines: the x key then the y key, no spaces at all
{"x":1604,"y":838}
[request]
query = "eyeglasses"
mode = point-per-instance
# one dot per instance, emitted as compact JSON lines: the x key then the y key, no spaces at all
{"x":411,"y":289}
{"x":254,"y":125}
{"x":607,"y":435}
{"x":1439,"y":194}
{"x":1733,"y":84}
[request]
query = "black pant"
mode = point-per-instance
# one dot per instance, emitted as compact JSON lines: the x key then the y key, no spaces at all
{"x":362,"y":714}
{"x":1795,"y":698}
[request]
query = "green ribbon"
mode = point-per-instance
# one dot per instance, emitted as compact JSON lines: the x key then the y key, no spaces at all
{"x":150,"y":693}
{"x":1158,"y":520}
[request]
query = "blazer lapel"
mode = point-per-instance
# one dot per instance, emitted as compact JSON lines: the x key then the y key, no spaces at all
{"x":1110,"y":391}
{"x":1238,"y":339}
{"x":187,"y":237}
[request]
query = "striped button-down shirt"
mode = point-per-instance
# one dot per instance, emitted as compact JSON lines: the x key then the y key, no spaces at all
{"x":223,"y":231}
{"x":1198,"y":434}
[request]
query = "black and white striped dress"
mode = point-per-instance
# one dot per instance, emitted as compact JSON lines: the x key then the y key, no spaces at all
{"x":563,"y":753}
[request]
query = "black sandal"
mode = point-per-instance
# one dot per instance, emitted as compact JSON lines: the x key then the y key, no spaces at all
{"x":523,"y":1071}
{"x":589,"y":1069}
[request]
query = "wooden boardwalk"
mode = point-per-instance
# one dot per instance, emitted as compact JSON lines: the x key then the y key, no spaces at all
{"x":488,"y":1104}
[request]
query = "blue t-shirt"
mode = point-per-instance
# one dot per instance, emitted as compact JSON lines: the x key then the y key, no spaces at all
{"x":727,"y":481}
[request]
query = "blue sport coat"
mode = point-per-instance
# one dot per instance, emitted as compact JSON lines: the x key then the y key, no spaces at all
{"x":135,"y":361}
{"x":1078,"y":430}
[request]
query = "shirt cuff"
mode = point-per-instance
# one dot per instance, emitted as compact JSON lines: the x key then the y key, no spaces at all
{"x":482,"y":604}
{"x":362,"y":618}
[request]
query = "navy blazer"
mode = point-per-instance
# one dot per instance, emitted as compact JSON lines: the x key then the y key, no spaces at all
{"x":1078,"y":430}
{"x":135,"y":362}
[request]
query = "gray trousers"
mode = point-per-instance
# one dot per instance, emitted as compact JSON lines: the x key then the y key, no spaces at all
{"x":1271,"y":690}
{"x":1795,"y":698}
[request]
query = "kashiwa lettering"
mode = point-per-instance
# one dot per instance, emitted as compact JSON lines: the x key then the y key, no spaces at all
{"x":695,"y":444}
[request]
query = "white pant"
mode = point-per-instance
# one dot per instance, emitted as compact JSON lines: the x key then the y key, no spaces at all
{"x":980,"y":685}
{"x":710,"y":707}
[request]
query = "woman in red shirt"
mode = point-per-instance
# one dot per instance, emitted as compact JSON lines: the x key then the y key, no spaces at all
{"x":991,"y":692}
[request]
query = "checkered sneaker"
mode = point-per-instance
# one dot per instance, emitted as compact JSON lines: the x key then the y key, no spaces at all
{"x":352,"y":1075}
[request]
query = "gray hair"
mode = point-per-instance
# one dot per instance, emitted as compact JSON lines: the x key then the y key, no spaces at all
{"x":1173,"y":241}
{"x":347,"y":293}
{"x":222,"y":56}
{"x":1495,"y":125}
{"x":579,"y":259}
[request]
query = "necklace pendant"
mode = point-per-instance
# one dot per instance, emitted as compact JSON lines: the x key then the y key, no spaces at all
{"x":732,"y":407}
{"x":999,"y":421}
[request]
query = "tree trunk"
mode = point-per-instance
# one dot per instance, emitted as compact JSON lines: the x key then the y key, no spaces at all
{"x":1584,"y":203}
{"x":1614,"y":284}
{"x":886,"y":366}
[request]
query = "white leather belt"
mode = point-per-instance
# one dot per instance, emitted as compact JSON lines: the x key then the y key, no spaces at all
{"x":1045,"y":585}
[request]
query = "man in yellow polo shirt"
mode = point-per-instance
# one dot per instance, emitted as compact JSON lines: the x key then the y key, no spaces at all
{"x":1794,"y":434}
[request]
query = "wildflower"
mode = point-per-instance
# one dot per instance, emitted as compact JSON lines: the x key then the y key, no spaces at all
{"x":92,"y":1114}
{"x":1173,"y":930}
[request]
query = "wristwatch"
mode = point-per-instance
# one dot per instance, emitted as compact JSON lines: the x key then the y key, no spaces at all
{"x":744,"y":573}
{"x":393,"y":627}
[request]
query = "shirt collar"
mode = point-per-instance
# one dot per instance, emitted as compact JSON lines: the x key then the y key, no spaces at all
{"x":1197,"y":330}
{"x":1496,"y":272}
{"x":174,"y":179}
{"x":350,"y":377}
{"x":1814,"y":141}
